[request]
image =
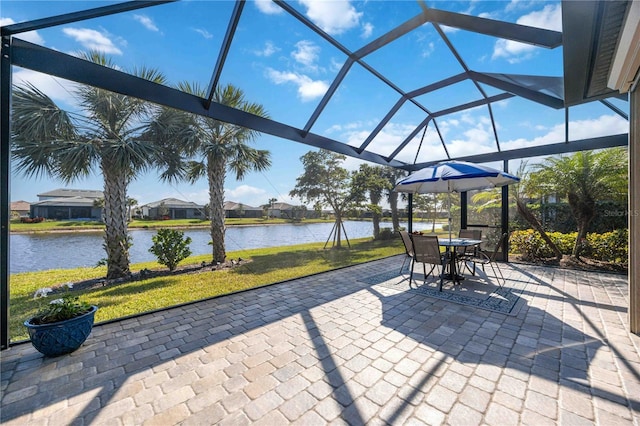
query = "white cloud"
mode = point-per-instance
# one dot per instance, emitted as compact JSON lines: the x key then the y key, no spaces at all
{"x":146,"y":22}
{"x":204,"y":33}
{"x":92,"y":39}
{"x":367,"y":30}
{"x":306,"y":53}
{"x":268,"y":7}
{"x":61,"y":91}
{"x":268,"y":50}
{"x":428,"y":49}
{"x":604,"y":125}
{"x":245,"y":194}
{"x":335,"y":17}
{"x":31,"y":36}
{"x":308,"y":89}
{"x":550,"y":17}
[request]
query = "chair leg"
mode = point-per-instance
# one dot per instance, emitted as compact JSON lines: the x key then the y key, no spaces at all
{"x":413,"y":262}
{"x":441,"y":277}
{"x":430,"y":271}
{"x":495,"y":273}
{"x":404,"y":261}
{"x":501,"y":276}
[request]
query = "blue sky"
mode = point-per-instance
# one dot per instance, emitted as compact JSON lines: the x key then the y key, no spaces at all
{"x":283,"y":65}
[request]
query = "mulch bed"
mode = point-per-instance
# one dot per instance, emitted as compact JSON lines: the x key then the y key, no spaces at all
{"x":581,"y":264}
{"x":144,"y":274}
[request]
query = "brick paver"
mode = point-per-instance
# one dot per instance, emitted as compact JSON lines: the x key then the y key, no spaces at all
{"x":329,"y":349}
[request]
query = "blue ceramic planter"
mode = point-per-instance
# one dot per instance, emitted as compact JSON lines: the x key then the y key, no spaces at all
{"x":62,"y":337}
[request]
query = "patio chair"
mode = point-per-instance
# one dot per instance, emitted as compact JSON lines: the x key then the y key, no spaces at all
{"x":408,"y":247}
{"x":483,"y":257}
{"x":426,"y":250}
{"x":461,"y":252}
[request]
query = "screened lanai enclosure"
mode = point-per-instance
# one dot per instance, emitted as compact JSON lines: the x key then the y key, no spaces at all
{"x":432,"y":81}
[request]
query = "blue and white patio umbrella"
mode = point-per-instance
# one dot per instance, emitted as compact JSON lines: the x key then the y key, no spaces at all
{"x":454,"y":176}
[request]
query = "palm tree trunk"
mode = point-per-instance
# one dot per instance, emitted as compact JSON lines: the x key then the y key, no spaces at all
{"x":393,"y":205}
{"x":583,"y":210}
{"x":115,"y":219}
{"x":216,"y":171}
{"x":533,"y":221}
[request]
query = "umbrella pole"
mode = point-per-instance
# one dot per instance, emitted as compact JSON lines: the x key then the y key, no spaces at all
{"x":449,"y":196}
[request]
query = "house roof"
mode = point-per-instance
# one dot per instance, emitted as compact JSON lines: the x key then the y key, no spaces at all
{"x":282,"y":206}
{"x":66,"y":202}
{"x":173,"y":203}
{"x":68,"y":192}
{"x":20,"y":206}
{"x":232,"y":205}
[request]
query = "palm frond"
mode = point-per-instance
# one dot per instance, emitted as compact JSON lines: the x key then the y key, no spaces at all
{"x":195,"y":170}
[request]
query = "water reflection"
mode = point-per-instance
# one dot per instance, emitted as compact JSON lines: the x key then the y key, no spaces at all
{"x":37,"y":252}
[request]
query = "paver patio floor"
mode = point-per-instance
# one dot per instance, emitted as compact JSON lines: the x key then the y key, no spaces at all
{"x":330,"y":349}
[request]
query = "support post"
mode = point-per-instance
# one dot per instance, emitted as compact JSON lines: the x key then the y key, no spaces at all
{"x":464,"y":220}
{"x":5,"y":212}
{"x":504,"y":222}
{"x":634,"y":212}
{"x":410,"y":213}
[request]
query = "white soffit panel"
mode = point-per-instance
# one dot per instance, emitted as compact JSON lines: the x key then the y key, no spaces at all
{"x":626,"y":64}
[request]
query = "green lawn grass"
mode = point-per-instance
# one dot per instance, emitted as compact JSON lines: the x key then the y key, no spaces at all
{"x":268,"y":265}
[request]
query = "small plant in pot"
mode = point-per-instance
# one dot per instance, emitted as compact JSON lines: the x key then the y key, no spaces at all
{"x":62,"y":325}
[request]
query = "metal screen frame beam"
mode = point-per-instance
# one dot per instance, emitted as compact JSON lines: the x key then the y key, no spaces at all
{"x":538,"y":151}
{"x":505,"y":30}
{"x":524,"y":92}
{"x":224,"y":50}
{"x":68,"y":18}
{"x":55,"y":63}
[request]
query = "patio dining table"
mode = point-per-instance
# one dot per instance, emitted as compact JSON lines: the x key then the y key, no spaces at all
{"x":450,"y":244}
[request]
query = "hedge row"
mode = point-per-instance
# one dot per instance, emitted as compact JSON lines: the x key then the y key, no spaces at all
{"x":608,"y":247}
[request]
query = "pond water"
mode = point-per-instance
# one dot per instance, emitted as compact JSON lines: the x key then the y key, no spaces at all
{"x":38,"y":252}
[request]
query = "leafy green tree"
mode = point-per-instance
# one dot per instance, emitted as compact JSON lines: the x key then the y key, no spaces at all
{"x":325,"y":181}
{"x":170,"y":247}
{"x":371,"y":180}
{"x":583,"y":178}
{"x":272,"y":201}
{"x":163,"y":210}
{"x":215,"y":147}
{"x":106,"y":138}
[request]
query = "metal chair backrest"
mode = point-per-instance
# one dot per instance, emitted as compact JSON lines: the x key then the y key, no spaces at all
{"x":474,"y":234}
{"x":426,"y":249}
{"x":408,"y":244}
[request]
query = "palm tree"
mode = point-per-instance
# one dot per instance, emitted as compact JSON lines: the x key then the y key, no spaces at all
{"x":493,"y":199}
{"x":46,"y":140}
{"x":216,"y":147}
{"x":583,"y":179}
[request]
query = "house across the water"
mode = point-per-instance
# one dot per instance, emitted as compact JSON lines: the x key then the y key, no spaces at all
{"x":172,"y":208}
{"x":65,"y":204}
{"x":236,"y":210}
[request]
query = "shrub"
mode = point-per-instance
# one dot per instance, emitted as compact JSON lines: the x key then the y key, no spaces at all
{"x":386,"y":234}
{"x":611,"y":246}
{"x":170,"y":247}
{"x":608,"y":247}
